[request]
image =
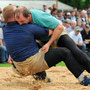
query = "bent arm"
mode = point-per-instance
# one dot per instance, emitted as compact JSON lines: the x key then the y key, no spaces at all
{"x":56,"y":33}
{"x":79,"y":44}
{"x":87,"y":41}
{"x":1,"y":43}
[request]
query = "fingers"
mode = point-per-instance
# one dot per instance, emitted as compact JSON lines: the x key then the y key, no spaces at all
{"x":10,"y":60}
{"x":50,"y":32}
{"x":45,"y":49}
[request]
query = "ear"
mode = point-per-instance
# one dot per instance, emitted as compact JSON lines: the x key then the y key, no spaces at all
{"x":29,"y":15}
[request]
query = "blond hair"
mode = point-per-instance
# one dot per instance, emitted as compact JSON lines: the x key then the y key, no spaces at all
{"x":8,"y":13}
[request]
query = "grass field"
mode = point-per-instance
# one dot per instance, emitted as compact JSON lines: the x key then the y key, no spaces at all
{"x":8,"y":65}
{"x":59,"y":64}
{"x":5,"y":65}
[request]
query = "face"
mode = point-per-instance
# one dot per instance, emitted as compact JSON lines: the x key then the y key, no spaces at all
{"x":54,"y":6}
{"x":75,"y":9}
{"x":83,"y":24}
{"x":73,"y":13}
{"x":87,"y":29}
{"x":78,"y":13}
{"x":67,"y":24}
{"x":78,"y":23}
{"x":88,"y":14}
{"x":44,"y":7}
{"x":22,"y":19}
{"x":60,"y":14}
{"x":54,"y":12}
{"x":77,"y":32}
{"x":83,"y":14}
{"x":73,"y":24}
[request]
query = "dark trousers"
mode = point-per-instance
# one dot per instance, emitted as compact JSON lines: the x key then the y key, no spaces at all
{"x":76,"y":60}
{"x":80,"y":57}
{"x":55,"y":55}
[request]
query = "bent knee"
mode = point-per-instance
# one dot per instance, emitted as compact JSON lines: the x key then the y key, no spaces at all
{"x":65,"y":51}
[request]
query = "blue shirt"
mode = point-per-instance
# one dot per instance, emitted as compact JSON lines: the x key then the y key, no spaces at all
{"x":20,"y":40}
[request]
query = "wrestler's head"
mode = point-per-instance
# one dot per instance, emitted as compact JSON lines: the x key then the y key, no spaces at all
{"x":8,"y":13}
{"x":23,"y":16}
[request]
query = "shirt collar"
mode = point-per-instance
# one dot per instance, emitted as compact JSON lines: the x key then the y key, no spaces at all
{"x":12,"y":23}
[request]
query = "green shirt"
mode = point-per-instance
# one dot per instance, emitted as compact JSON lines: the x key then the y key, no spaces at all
{"x":44,"y":19}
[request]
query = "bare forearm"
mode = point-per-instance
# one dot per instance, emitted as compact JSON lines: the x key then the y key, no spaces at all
{"x":79,"y":44}
{"x":87,"y":41}
{"x":56,"y":33}
{"x":1,"y":43}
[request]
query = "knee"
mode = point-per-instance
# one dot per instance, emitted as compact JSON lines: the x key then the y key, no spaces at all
{"x":67,"y":52}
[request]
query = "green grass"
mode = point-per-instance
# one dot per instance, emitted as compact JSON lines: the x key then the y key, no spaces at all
{"x":9,"y":65}
{"x":60,"y":64}
{"x":5,"y":65}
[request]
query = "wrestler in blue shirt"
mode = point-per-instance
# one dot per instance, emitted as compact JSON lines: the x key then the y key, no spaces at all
{"x":19,"y":39}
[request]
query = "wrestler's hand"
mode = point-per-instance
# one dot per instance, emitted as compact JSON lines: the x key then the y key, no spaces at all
{"x":46,"y":47}
{"x":50,"y":32}
{"x":10,"y":60}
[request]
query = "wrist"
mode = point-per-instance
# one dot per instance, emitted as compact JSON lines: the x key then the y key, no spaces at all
{"x":49,"y":43}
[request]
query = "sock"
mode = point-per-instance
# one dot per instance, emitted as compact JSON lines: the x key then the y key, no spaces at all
{"x":81,"y":78}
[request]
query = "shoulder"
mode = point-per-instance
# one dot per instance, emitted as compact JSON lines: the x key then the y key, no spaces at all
{"x":80,"y":35}
{"x":72,"y":32}
{"x":31,"y":26}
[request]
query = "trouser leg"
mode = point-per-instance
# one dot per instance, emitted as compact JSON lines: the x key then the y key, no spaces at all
{"x":41,"y":75}
{"x":55,"y":55}
{"x":82,"y":58}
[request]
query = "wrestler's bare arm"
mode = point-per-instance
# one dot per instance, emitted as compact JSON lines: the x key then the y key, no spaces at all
{"x":56,"y":33}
